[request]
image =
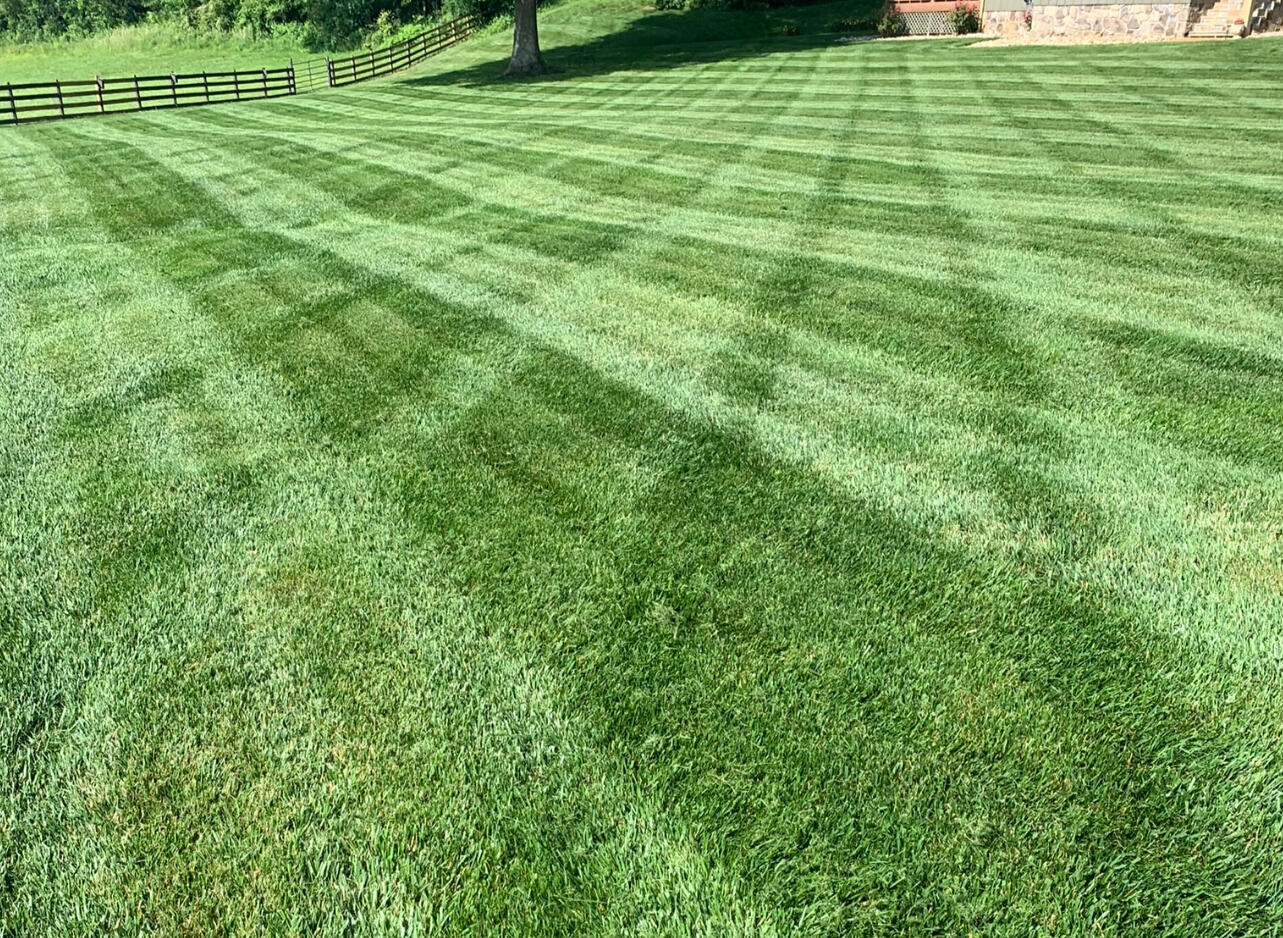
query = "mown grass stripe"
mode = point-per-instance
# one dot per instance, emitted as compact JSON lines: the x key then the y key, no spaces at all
{"x":826,"y":490}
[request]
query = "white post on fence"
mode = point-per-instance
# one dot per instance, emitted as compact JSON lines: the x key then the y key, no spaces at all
{"x":13,"y":107}
{"x":265,"y":83}
{"x":173,"y":89}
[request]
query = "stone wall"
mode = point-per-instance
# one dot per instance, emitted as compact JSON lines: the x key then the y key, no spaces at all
{"x":1271,"y":22}
{"x":1004,"y":23}
{"x":1139,"y":20}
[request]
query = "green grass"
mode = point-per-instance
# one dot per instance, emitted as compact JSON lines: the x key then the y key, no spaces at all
{"x":748,"y":486}
{"x":148,"y":49}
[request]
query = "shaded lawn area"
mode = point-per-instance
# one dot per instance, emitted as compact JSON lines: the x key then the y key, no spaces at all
{"x":813,"y":489}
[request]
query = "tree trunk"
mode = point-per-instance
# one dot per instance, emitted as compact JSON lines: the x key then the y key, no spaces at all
{"x":525,"y":41}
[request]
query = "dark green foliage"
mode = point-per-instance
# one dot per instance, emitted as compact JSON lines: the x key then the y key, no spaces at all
{"x":890,"y":22}
{"x":42,"y":18}
{"x":323,"y":23}
{"x":854,"y":24}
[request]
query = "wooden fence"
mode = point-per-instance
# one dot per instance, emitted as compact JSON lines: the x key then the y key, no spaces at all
{"x":400,"y":55}
{"x":54,"y":100}
{"x":58,"y":99}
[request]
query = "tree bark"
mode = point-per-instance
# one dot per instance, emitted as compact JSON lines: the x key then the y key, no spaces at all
{"x":526,"y":59}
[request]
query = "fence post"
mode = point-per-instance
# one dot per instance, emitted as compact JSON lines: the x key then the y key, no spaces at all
{"x":173,"y":88}
{"x":236,"y":84}
{"x":98,"y":88}
{"x":329,"y":72}
{"x":204,"y":80}
{"x":13,"y":107}
{"x":293,"y":84}
{"x":138,"y":95}
{"x":265,"y":83}
{"x":61,"y":110}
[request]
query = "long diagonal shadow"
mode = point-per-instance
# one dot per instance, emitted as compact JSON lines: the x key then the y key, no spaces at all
{"x":668,"y":40}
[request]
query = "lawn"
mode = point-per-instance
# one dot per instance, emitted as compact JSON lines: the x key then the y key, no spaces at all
{"x":147,"y":49}
{"x":744,"y":484}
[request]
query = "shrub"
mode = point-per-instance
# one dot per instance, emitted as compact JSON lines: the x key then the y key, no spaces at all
{"x":670,"y":4}
{"x":890,"y":22}
{"x":964,"y":18}
{"x":858,"y":24}
{"x":386,"y":26}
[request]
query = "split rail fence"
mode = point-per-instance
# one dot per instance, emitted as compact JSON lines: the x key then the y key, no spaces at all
{"x":400,"y":55}
{"x":56,"y":100}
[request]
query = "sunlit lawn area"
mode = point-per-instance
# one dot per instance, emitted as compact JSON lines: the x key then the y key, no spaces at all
{"x":742,"y":484}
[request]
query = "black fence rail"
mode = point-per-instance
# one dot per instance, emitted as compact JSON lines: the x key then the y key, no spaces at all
{"x":54,"y":100}
{"x":393,"y":58}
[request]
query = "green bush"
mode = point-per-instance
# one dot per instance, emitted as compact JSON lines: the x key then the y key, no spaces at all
{"x":964,"y":18}
{"x":48,"y":19}
{"x":318,"y":23}
{"x":856,"y":24}
{"x":890,"y":22}
{"x":670,"y":4}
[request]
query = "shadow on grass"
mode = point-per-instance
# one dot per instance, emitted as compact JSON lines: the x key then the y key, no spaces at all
{"x":673,"y":39}
{"x":855,"y":712}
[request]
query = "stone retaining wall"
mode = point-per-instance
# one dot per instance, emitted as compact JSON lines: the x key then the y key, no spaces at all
{"x":1141,"y":20}
{"x":1274,"y":22}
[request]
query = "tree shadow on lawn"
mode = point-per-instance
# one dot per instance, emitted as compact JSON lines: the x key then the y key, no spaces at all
{"x":853,"y":711}
{"x":672,"y":40}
